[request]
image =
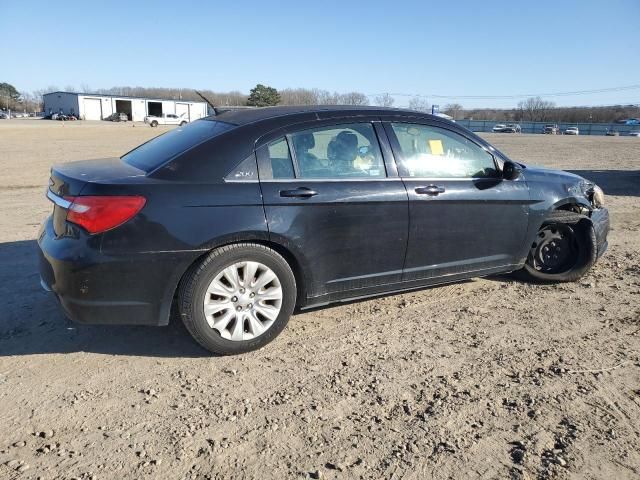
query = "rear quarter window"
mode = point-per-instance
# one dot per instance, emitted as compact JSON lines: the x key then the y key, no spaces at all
{"x":158,"y":151}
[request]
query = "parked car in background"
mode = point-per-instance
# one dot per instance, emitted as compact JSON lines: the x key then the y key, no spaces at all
{"x":629,"y":121}
{"x":512,"y":128}
{"x":551,"y":129}
{"x":246,"y":215}
{"x":117,"y":117}
{"x":4,"y":116}
{"x":166,"y":119}
{"x":499,"y":127}
{"x":612,"y":133}
{"x":572,"y":131}
{"x":634,"y":133}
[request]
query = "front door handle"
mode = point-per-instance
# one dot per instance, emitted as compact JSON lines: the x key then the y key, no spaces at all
{"x":302,"y":192}
{"x":429,"y":190}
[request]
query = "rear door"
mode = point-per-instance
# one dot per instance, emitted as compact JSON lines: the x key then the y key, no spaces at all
{"x":463,"y":216}
{"x":329,"y":199}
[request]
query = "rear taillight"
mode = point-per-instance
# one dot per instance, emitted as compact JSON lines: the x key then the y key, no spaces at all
{"x":98,"y":214}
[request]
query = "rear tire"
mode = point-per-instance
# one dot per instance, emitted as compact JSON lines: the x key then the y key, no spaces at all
{"x":182,"y":124}
{"x":234,"y":324}
{"x":565,"y":249}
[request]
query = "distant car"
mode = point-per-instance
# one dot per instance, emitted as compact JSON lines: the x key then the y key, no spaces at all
{"x":117,"y":117}
{"x":629,"y":121}
{"x":4,"y":116}
{"x":499,"y":127}
{"x":572,"y":131}
{"x":635,"y":133}
{"x":512,"y":128}
{"x":166,"y":119}
{"x":612,"y":133}
{"x":550,"y":129}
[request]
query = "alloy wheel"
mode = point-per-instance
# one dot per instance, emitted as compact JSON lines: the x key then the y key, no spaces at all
{"x":243,"y":301}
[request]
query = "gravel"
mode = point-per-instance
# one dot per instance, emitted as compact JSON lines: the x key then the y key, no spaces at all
{"x":490,"y":378}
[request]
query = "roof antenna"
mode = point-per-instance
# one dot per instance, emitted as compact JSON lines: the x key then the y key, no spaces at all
{"x":215,"y":110}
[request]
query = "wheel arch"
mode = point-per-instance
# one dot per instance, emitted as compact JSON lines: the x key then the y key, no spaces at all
{"x":293,"y":261}
{"x":569,"y":204}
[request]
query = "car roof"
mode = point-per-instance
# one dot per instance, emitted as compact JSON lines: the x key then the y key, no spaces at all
{"x":244,"y":116}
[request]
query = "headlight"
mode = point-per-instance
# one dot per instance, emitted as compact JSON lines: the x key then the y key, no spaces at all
{"x":598,"y":197}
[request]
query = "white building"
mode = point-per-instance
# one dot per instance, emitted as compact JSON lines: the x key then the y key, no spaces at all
{"x":90,"y":106}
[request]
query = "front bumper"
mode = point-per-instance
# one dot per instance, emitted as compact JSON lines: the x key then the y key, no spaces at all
{"x":601,"y":224}
{"x":96,"y":288}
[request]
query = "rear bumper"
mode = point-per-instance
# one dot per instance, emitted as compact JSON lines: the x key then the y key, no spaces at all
{"x":600,"y":221}
{"x":95,"y":288}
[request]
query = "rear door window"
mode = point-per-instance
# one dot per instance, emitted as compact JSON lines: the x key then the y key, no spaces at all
{"x":158,"y":151}
{"x":280,"y":159}
{"x":338,"y":151}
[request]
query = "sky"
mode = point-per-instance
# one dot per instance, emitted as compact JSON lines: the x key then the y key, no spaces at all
{"x":449,"y":48}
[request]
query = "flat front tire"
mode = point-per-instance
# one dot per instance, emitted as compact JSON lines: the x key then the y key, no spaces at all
{"x":564,"y":250}
{"x":238,"y":298}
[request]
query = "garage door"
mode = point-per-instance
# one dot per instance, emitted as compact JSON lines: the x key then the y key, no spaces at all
{"x":92,"y":108}
{"x":182,"y":108}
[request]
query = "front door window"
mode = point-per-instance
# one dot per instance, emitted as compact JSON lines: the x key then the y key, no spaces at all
{"x":434,"y":152}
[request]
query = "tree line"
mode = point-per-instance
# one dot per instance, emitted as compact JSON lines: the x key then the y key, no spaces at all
{"x":532,"y":109}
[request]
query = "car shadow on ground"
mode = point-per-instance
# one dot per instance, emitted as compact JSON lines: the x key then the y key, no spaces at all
{"x":614,"y":182}
{"x":32,"y":323}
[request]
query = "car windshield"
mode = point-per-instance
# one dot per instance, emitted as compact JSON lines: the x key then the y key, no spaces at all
{"x":158,"y":151}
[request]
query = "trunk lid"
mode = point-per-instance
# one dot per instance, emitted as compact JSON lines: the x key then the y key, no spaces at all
{"x":70,"y":178}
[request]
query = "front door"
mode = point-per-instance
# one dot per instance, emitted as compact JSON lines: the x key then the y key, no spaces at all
{"x":464,"y":217}
{"x":328,"y":198}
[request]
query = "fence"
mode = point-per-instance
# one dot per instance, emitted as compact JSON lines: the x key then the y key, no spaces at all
{"x":537,"y":127}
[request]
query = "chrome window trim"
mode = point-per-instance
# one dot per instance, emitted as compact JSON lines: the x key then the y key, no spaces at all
{"x":358,"y":179}
{"x":59,"y":201}
{"x":450,"y":179}
{"x":331,"y":180}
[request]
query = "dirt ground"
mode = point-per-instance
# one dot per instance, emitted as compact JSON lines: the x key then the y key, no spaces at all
{"x":492,"y":378}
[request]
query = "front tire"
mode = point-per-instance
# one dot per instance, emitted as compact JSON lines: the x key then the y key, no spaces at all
{"x":154,"y":123}
{"x":238,"y":299}
{"x":564,"y":250}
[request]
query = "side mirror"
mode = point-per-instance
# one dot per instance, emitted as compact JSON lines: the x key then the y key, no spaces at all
{"x":511,"y":170}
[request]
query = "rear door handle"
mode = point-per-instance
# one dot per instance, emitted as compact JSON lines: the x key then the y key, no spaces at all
{"x":429,"y":190}
{"x":302,"y":192}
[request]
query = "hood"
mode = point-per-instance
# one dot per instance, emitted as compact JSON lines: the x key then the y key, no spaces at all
{"x":541,"y":174}
{"x":558,"y":181}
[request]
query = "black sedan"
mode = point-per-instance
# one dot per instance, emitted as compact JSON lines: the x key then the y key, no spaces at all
{"x":242,"y":217}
